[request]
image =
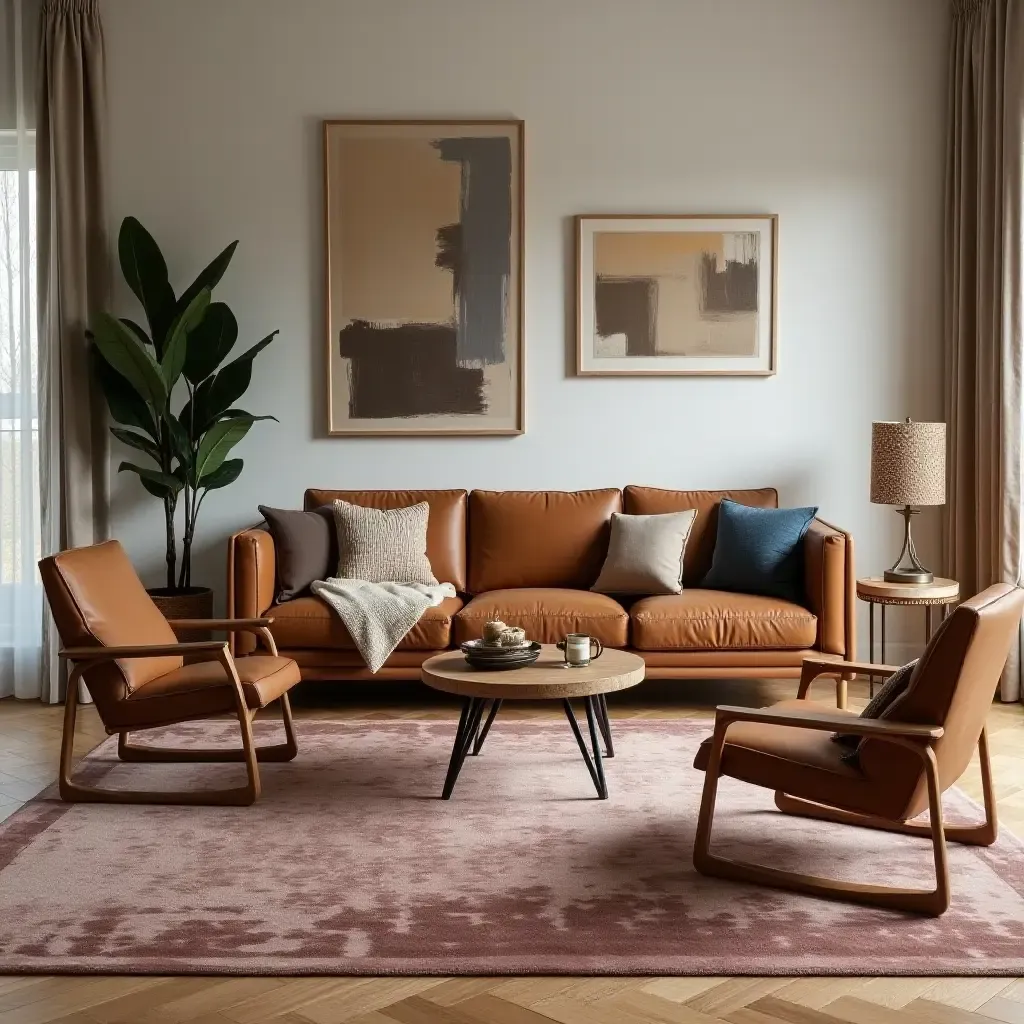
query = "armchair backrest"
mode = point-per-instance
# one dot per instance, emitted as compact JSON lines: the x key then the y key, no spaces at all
{"x":97,"y":600}
{"x":953,"y":686}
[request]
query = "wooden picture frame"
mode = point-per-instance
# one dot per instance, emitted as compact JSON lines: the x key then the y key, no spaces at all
{"x":424,"y":277}
{"x":676,"y":294}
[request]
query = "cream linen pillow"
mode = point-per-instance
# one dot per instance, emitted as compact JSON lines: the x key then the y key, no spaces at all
{"x":645,"y":554}
{"x":383,"y":545}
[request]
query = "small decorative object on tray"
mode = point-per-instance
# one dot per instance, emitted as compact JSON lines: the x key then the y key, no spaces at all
{"x":502,"y":647}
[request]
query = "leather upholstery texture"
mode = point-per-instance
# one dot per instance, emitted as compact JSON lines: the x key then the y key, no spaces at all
{"x":538,"y":538}
{"x":801,"y":762}
{"x":97,"y":600}
{"x":203,"y":688}
{"x":546,"y":614}
{"x":251,"y":581}
{"x":307,"y":622}
{"x":719,"y":620}
{"x":446,"y":525}
{"x":700,"y":546}
{"x":830,"y":587}
{"x":953,"y":686}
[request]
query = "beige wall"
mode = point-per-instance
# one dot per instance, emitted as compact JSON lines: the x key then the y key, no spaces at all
{"x":829,"y":113}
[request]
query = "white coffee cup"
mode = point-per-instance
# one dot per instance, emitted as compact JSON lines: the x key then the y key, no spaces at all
{"x":579,"y":649}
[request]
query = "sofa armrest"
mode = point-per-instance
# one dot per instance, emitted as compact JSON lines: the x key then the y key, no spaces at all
{"x":252,"y":581}
{"x":830,"y":584}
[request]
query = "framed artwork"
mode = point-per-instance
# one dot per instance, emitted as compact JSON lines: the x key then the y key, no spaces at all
{"x":424,"y":277}
{"x":676,"y":295}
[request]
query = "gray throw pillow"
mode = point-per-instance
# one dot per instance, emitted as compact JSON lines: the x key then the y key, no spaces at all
{"x":383,"y":545}
{"x":645,"y":554}
{"x":305,"y":548}
{"x":890,"y":691}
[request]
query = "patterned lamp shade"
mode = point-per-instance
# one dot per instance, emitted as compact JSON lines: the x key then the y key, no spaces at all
{"x":908,"y":463}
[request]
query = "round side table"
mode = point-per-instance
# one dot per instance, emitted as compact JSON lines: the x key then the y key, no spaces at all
{"x":876,"y":590}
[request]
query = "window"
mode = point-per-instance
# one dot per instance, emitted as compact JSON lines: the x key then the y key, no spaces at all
{"x":21,"y":601}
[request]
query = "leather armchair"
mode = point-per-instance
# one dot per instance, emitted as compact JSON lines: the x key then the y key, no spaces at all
{"x":127,"y":653}
{"x":905,"y":761}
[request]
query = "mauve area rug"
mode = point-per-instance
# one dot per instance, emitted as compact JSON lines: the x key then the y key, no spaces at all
{"x":350,"y":864}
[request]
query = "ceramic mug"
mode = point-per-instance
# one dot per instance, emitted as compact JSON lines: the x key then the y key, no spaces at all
{"x":579,"y":649}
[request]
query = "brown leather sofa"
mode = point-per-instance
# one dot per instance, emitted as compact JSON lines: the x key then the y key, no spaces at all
{"x":529,"y":557}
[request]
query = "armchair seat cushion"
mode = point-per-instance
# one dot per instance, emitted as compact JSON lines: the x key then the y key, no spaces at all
{"x":720,"y":620}
{"x":801,"y":762}
{"x":547,"y":614}
{"x":203,"y":688}
{"x":308,"y":623}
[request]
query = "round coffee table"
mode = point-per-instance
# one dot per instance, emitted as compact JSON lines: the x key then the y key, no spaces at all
{"x":548,"y":678}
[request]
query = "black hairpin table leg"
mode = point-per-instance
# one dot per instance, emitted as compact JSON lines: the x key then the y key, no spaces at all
{"x":606,"y":726}
{"x":478,"y":744}
{"x":465,"y":736}
{"x":594,"y":765}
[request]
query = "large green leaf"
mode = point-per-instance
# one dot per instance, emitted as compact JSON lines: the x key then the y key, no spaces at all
{"x":209,"y":276}
{"x":193,"y":422}
{"x":226,"y":474}
{"x":218,"y":441}
{"x":180,"y":443}
{"x":145,"y":270}
{"x":230,"y":384}
{"x":210,"y":342}
{"x":139,"y":331}
{"x":177,"y":339}
{"x":122,"y":349}
{"x":164,"y":483}
{"x":126,"y":405}
{"x":144,"y":444}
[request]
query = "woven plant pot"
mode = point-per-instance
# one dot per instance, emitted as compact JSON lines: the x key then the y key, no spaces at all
{"x":192,"y":603}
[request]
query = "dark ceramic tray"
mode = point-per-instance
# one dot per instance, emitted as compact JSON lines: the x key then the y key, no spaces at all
{"x":495,"y":659}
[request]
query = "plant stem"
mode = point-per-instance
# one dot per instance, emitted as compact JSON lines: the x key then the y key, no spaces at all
{"x":169,"y":504}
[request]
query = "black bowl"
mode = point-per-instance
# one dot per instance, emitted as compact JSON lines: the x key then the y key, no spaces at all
{"x":496,"y":659}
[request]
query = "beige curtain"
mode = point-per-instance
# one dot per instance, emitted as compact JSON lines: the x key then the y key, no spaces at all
{"x":983,"y":285}
{"x":73,"y":280}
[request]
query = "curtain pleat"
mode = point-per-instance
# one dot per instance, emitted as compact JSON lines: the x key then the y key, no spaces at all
{"x":983,"y":299}
{"x":73,"y":282}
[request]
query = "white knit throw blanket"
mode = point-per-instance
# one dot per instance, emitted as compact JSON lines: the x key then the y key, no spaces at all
{"x":378,"y":615}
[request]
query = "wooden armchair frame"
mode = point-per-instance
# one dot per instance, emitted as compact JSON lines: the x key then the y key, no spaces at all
{"x":920,"y":739}
{"x":82,"y":658}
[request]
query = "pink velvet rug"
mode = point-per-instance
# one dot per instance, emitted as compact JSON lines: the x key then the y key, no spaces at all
{"x":350,"y":864}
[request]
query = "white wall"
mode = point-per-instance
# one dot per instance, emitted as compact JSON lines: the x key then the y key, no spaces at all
{"x":827,"y":112}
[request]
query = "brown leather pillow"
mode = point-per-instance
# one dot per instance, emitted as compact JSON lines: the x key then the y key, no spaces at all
{"x":305,"y":548}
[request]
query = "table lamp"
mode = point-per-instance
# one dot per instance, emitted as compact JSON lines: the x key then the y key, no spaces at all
{"x":908,"y":467}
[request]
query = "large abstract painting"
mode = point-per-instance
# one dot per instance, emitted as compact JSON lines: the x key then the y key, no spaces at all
{"x":424,"y":276}
{"x":676,"y":295}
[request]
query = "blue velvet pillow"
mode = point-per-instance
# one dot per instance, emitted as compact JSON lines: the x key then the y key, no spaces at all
{"x":759,"y":551}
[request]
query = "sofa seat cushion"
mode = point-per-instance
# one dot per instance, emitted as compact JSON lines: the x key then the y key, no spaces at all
{"x":307,"y":622}
{"x":801,"y":762}
{"x":547,"y":614}
{"x":719,"y":620}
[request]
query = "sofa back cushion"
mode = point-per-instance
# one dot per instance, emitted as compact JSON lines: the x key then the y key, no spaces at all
{"x":446,"y":523}
{"x":538,"y":538}
{"x":700,"y":546}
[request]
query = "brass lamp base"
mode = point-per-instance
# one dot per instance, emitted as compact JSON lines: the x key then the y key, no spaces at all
{"x":913,"y":574}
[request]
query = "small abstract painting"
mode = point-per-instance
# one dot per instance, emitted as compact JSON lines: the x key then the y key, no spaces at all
{"x":424,"y":276}
{"x":675,"y":295}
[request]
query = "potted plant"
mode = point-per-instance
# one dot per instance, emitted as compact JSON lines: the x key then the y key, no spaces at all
{"x":172,"y":400}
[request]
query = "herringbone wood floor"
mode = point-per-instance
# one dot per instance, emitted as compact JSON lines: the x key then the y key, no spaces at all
{"x":29,"y":737}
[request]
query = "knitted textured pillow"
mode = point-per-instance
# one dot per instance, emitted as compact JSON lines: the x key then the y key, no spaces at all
{"x":386,"y":545}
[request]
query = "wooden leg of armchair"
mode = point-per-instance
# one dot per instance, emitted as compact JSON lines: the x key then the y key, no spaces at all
{"x":75,"y":792}
{"x":931,"y":902}
{"x":982,"y":834}
{"x":277,"y":752}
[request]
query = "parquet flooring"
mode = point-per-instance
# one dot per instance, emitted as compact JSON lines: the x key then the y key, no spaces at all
{"x":29,"y":739}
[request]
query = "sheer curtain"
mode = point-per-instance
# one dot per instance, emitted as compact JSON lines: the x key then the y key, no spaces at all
{"x":21,"y":599}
